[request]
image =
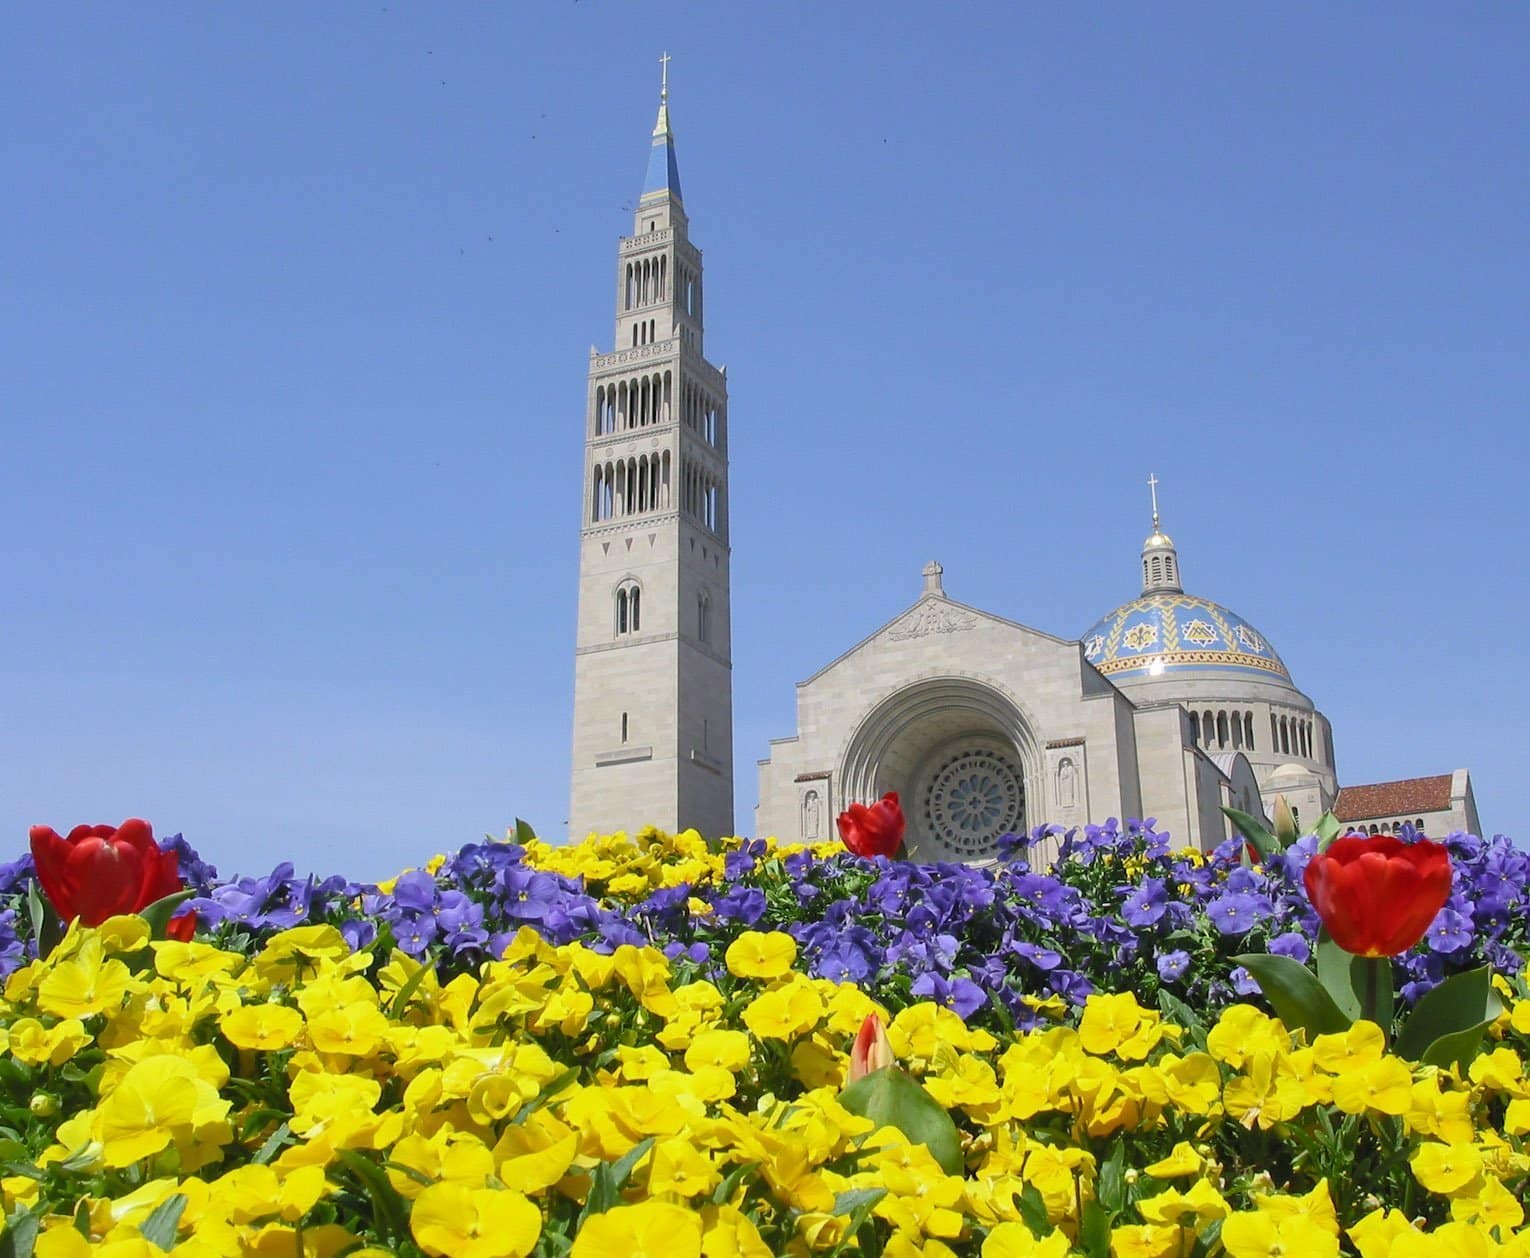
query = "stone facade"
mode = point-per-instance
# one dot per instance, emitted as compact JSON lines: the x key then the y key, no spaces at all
{"x":1171,"y":708}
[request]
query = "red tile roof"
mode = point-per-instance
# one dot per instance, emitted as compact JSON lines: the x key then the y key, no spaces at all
{"x":1410,"y":796}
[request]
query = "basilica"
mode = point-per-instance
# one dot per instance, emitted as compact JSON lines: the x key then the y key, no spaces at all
{"x":1171,"y":706}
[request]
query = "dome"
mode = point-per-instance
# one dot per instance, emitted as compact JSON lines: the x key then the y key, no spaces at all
{"x":1166,"y":633}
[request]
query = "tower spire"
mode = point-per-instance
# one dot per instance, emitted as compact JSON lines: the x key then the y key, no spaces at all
{"x":663,"y":179}
{"x":1160,"y":561}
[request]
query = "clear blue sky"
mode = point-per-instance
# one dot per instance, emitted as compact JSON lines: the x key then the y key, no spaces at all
{"x":298,"y":301}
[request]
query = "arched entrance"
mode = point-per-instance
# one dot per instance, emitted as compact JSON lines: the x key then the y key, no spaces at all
{"x":961,"y":756}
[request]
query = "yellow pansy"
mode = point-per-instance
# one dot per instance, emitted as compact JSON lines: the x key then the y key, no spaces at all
{"x":727,"y":1049}
{"x":1243,"y":1032}
{"x":727,"y":1232}
{"x":761,"y":954}
{"x":1146,"y":1240}
{"x":676,"y":1166}
{"x":1264,"y":1235}
{"x":1384,"y":1086}
{"x":455,"y":1221}
{"x":651,"y":1229}
{"x":1354,"y":1049}
{"x":263,"y":1026}
{"x":38,"y":1045}
{"x":1182,"y":1160}
{"x":88,"y":982}
{"x":784,"y":1012}
{"x":1500,"y":1071}
{"x":1446,"y":1168}
{"x":1202,"y":1202}
{"x":1492,"y":1205}
{"x":1016,"y":1240}
{"x":1444,"y":1115}
{"x":158,"y":1100}
{"x":1376,"y":1235}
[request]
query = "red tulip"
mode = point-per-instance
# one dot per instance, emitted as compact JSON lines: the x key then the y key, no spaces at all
{"x":876,"y":830}
{"x":872,"y":1050}
{"x":99,"y":871}
{"x":1377,"y":894}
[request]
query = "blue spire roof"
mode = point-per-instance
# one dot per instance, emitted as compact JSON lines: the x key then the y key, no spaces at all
{"x":663,"y":177}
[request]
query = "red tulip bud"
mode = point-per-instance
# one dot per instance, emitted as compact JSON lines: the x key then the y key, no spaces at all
{"x":100,"y":871}
{"x":872,"y":1050}
{"x":876,"y":830}
{"x":1377,"y":895}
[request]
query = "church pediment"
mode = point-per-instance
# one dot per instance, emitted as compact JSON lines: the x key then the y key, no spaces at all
{"x":934,"y":620}
{"x":931,"y":616}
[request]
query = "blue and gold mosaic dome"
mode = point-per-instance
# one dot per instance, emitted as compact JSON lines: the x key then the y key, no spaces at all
{"x":1169,"y":632}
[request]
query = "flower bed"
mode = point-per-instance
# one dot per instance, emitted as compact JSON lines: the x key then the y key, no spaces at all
{"x":652,"y":1062}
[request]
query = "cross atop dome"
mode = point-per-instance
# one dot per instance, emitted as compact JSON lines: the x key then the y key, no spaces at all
{"x":1160,"y":563}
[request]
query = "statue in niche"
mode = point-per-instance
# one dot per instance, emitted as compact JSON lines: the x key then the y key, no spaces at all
{"x":810,"y":815}
{"x":1067,"y":788}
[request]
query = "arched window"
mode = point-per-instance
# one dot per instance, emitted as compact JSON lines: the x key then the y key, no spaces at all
{"x":1195,"y":728}
{"x":1221,"y":729}
{"x":1248,"y":730}
{"x":629,"y":608}
{"x":703,"y":617}
{"x":1237,"y":731}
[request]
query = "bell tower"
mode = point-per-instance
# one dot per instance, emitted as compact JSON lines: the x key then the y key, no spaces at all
{"x":653,"y":672}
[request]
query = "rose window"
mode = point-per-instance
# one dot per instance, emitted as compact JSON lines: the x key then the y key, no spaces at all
{"x":973,"y":799}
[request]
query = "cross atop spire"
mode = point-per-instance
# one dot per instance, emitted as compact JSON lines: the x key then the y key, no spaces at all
{"x":1153,"y":489}
{"x":663,"y":178}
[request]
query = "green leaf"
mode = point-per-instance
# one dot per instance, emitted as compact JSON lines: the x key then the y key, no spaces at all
{"x":1327,"y":830}
{"x":82,"y":1218}
{"x":1377,"y":1004}
{"x":548,"y":1094}
{"x":1094,"y":1230}
{"x":1208,"y":1240}
{"x":406,"y":992}
{"x":609,"y":1178}
{"x":725,"y":1190}
{"x":274,"y":1144}
{"x":163,"y":1221}
{"x":891,"y":1098}
{"x":524,"y":834}
{"x":1252,"y":829}
{"x":388,"y":1209}
{"x":20,"y":1235}
{"x":1339,"y":975}
{"x":1178,"y":1012}
{"x":47,"y":927}
{"x":1463,"y":1005}
{"x":1299,"y":1000}
{"x":1033,"y":1211}
{"x":1110,"y":1186}
{"x":857,"y":1199}
{"x":159,"y":913}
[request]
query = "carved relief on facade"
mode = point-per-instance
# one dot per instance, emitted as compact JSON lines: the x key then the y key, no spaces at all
{"x":930,"y":618}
